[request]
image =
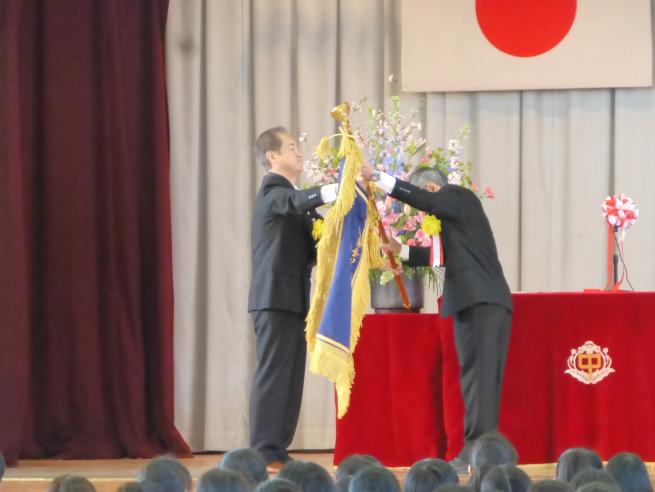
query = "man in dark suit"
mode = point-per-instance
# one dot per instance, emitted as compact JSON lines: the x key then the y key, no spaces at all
{"x":283,"y":254}
{"x":475,"y":294}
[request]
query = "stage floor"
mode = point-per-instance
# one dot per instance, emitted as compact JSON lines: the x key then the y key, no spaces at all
{"x":107,"y":475}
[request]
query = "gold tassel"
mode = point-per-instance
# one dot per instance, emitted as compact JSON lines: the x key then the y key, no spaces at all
{"x":323,"y":149}
{"x":338,"y":367}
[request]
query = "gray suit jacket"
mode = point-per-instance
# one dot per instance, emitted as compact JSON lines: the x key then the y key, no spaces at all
{"x":473,"y":272}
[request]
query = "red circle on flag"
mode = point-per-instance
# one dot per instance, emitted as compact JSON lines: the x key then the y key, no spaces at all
{"x":525,"y":27}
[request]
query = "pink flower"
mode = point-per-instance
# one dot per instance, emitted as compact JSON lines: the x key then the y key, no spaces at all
{"x":489,"y":192}
{"x":411,"y":242}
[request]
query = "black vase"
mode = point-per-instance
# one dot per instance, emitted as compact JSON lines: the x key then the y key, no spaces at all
{"x":386,"y":298}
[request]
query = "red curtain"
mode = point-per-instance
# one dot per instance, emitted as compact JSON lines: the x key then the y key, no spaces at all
{"x":86,"y":296}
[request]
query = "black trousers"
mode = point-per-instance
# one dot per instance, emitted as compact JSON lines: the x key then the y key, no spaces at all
{"x":481,"y":339}
{"x":278,"y":381}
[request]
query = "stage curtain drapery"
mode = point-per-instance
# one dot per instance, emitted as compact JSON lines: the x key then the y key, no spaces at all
{"x":86,"y":325}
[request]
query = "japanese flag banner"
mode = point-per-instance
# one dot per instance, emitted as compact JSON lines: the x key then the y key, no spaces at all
{"x":471,"y":45}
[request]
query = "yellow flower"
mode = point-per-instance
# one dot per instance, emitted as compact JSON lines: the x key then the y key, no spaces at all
{"x":431,"y":225}
{"x":317,"y":229}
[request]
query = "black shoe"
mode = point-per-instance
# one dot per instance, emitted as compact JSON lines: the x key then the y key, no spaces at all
{"x":460,"y":466}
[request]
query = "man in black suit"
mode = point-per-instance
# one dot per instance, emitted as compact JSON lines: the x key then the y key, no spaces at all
{"x":475,"y":294}
{"x":283,"y":254}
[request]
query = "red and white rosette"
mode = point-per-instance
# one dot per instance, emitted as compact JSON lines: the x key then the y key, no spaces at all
{"x":620,"y":213}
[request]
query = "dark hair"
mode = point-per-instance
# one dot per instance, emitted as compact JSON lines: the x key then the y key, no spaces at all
{"x":3,"y":465}
{"x":596,"y":487}
{"x":426,"y":475}
{"x":268,"y":140}
{"x":451,"y":487}
{"x":374,"y":479}
{"x":343,"y":484}
{"x":278,"y":485}
{"x":630,"y":472}
{"x":489,"y":450}
{"x":353,"y":463}
{"x":223,"y":481}
{"x":575,"y":460}
{"x":74,"y":483}
{"x":550,"y":486}
{"x":505,"y":478}
{"x":167,"y":474}
{"x":309,"y":476}
{"x":246,"y":461}
{"x":130,"y":487}
{"x":592,"y":475}
{"x":422,"y":176}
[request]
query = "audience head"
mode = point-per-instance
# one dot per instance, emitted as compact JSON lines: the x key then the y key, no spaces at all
{"x":550,"y":486}
{"x":350,"y":465}
{"x":278,"y":485}
{"x":630,"y":472}
{"x":309,"y":476}
{"x":374,"y":479}
{"x":451,"y":487}
{"x":246,"y":461}
{"x":575,"y":460}
{"x":167,"y":474}
{"x":426,"y":475}
{"x":343,"y":484}
{"x":590,"y":476}
{"x":217,"y":480}
{"x":130,"y":487}
{"x":71,"y":483}
{"x":505,"y":478}
{"x":490,"y":450}
{"x":596,"y":487}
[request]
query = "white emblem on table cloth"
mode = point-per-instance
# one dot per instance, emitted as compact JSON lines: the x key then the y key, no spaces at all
{"x":589,"y":364}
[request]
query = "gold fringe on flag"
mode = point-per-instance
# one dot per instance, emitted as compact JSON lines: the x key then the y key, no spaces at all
{"x":328,"y":357}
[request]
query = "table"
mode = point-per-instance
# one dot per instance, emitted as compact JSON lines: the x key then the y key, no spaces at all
{"x":406,"y":401}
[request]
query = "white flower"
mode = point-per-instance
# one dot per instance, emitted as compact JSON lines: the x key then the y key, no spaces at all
{"x":455,"y":178}
{"x":454,"y":145}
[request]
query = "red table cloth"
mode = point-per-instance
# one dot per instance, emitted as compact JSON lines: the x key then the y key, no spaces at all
{"x":406,"y":401}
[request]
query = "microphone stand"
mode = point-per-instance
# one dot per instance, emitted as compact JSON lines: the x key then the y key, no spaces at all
{"x":615,"y":257}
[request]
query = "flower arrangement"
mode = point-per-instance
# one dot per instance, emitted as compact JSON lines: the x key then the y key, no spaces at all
{"x":620,"y":211}
{"x":393,"y":143}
